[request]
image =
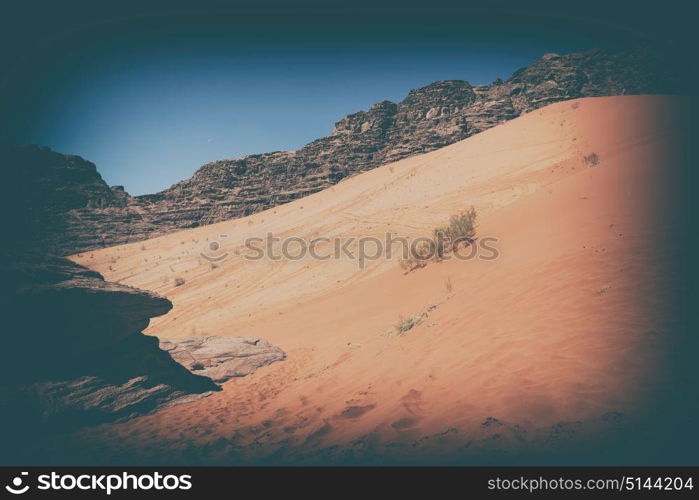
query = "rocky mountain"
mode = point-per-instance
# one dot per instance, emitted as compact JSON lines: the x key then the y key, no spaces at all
{"x":58,"y":203}
{"x":83,"y":213}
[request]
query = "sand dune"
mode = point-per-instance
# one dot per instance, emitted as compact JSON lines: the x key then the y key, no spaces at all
{"x":564,"y":331}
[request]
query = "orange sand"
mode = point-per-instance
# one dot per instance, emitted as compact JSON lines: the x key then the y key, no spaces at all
{"x":566,"y":325}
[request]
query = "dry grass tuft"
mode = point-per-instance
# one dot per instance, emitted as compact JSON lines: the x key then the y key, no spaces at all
{"x":461,"y":230}
{"x":404,"y":324}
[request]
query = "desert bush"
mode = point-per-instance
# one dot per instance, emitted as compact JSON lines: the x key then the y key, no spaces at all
{"x":592,"y":159}
{"x":408,"y":264}
{"x":405,"y":324}
{"x":418,"y":256}
{"x":411,"y":264}
{"x":179,"y":281}
{"x":461,"y":229}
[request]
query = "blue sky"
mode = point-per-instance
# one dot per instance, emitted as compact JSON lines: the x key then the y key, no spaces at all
{"x":150,"y":99}
{"x":149,"y":123}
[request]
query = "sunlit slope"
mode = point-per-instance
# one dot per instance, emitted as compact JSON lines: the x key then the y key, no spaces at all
{"x":568,"y":324}
{"x":408,"y":198}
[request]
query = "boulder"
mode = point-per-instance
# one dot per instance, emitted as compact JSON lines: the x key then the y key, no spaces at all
{"x":222,"y":358}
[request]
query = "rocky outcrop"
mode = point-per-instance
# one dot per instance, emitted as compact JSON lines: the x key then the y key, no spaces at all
{"x":56,"y":203}
{"x":222,"y":358}
{"x":84,"y":213}
{"x":73,"y":351}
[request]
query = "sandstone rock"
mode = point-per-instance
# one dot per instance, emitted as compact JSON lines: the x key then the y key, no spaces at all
{"x":73,"y":350}
{"x":77,"y":211}
{"x":91,"y":400}
{"x":222,"y":358}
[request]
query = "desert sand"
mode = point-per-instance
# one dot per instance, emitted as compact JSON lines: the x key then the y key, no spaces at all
{"x":562,"y":334}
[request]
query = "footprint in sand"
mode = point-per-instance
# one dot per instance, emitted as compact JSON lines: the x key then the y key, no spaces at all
{"x":405,"y":423}
{"x":412,"y":401}
{"x":353,"y":412}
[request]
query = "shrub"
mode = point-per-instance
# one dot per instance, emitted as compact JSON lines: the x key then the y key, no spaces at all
{"x":461,"y":229}
{"x":411,"y":264}
{"x":405,"y":324}
{"x":418,"y":257}
{"x":592,"y":159}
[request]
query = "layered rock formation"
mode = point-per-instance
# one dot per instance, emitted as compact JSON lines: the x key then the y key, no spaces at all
{"x":74,"y":352}
{"x":57,"y":203}
{"x":91,"y":215}
{"x":222,"y":358}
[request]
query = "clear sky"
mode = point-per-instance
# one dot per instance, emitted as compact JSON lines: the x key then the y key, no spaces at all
{"x":150,"y":99}
{"x":147,"y":124}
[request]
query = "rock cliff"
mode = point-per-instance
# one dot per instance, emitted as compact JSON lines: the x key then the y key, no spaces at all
{"x":74,"y":351}
{"x":80,"y":212}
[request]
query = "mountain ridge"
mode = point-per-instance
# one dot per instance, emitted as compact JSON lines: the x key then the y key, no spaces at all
{"x":429,"y":118}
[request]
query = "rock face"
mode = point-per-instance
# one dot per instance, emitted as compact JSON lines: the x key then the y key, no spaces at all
{"x":222,"y":358}
{"x":84,"y":213}
{"x":58,"y":203}
{"x":73,"y":349}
